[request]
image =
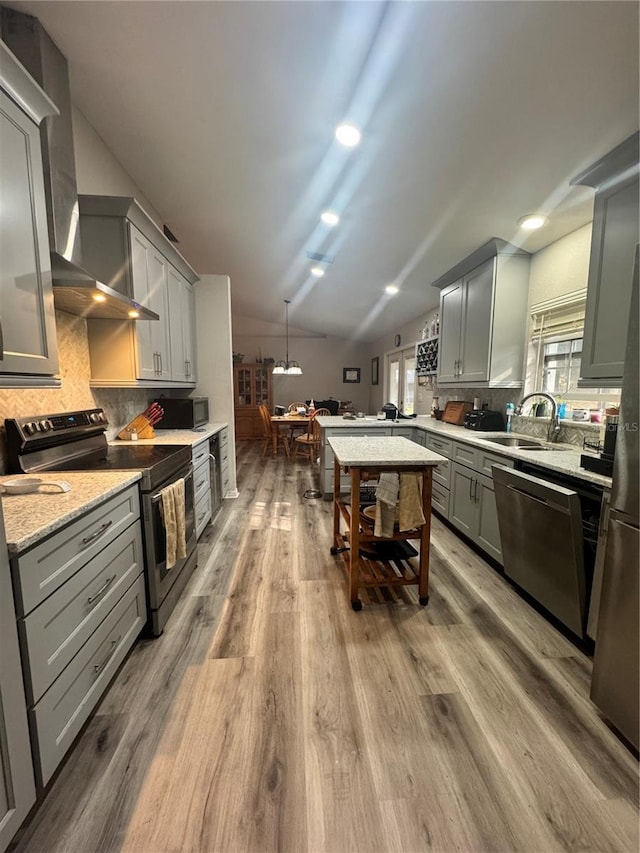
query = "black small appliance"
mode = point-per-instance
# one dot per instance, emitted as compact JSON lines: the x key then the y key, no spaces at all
{"x":484,"y":420}
{"x":602,"y":464}
{"x":393,"y":413}
{"x":183,"y":412}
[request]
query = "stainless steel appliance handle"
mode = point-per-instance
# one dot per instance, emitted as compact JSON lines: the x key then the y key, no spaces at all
{"x":105,"y":586}
{"x":158,"y":496}
{"x":98,"y":667}
{"x":88,"y":539}
{"x":532,"y":497}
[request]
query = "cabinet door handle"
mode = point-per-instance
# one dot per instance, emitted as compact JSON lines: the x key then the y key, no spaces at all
{"x":475,"y":491}
{"x":98,"y":667}
{"x":160,"y":360}
{"x":1,"y":343}
{"x":470,"y":488}
{"x":88,"y":539}
{"x":105,"y":586}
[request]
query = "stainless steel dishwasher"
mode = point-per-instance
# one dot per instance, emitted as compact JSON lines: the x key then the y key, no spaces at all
{"x":215,"y":470}
{"x":548,"y":527}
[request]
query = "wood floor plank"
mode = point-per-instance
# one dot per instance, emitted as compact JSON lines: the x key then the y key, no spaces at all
{"x":528,"y":749}
{"x":340,"y":796}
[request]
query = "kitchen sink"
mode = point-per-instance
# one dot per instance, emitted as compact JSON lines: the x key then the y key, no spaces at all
{"x":524,"y":443}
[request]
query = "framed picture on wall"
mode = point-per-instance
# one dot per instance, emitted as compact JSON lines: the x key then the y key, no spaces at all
{"x":351,"y":374}
{"x":375,"y":370}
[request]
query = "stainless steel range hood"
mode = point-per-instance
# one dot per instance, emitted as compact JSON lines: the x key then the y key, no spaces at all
{"x":75,"y":290}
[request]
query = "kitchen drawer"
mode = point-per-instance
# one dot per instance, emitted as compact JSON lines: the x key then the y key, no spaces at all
{"x":486,"y":460}
{"x":440,"y":499}
{"x":56,"y":630}
{"x":39,"y":572}
{"x":203,"y":512}
{"x":201,"y":480}
{"x":443,"y":446}
{"x":442,"y":474}
{"x":200,"y":454}
{"x":224,"y":437}
{"x":465,"y":454}
{"x":60,"y":714}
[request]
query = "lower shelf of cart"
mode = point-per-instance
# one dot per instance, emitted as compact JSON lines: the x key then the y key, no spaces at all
{"x":395,"y":571}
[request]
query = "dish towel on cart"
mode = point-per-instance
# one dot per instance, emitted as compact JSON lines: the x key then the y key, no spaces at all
{"x":386,"y":503}
{"x":173,"y":512}
{"x":398,"y":499}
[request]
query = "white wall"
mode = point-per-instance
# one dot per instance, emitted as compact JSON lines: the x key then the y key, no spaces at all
{"x":215,"y":370}
{"x":561,"y":267}
{"x":322,"y":360}
{"x":97,"y":170}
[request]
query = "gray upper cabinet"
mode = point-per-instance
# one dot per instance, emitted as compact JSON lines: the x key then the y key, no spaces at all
{"x":128,"y":252}
{"x":614,"y":238}
{"x":28,"y":346}
{"x":17,"y":787}
{"x":483,"y":310}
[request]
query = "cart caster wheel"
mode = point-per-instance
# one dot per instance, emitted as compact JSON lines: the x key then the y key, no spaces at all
{"x":423,"y":600}
{"x":357,"y":605}
{"x":333,"y":551}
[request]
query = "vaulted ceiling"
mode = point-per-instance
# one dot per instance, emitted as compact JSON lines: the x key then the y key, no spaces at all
{"x":473,"y":114}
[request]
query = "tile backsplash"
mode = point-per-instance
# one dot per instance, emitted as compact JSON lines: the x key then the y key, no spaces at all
{"x":120,"y":404}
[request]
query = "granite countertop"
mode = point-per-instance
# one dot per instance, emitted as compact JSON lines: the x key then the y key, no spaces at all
{"x":382,"y":450}
{"x":180,"y":436}
{"x":564,"y":461}
{"x":29,"y":518}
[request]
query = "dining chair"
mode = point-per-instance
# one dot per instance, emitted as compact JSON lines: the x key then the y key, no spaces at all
{"x":310,"y":442}
{"x":321,"y":412}
{"x":296,"y":429}
{"x":269,"y":429}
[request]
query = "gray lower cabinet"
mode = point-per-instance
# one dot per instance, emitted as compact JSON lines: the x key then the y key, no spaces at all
{"x":613,"y":242}
{"x":472,"y":505}
{"x":224,"y":460}
{"x":28,"y":345}
{"x":201,"y":485}
{"x":326,"y":455}
{"x":441,"y":488}
{"x":81,"y":603}
{"x":17,"y":788}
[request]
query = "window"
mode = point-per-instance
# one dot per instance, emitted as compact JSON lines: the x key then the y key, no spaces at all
{"x":555,"y":350}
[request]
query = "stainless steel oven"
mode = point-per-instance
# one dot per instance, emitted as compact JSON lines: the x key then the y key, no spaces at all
{"x":76,"y":441}
{"x":165,"y":585}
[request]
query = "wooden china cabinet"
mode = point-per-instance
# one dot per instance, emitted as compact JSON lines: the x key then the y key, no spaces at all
{"x":252,"y":388}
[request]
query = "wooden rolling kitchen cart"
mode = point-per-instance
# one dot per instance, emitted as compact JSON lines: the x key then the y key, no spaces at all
{"x":365,"y":458}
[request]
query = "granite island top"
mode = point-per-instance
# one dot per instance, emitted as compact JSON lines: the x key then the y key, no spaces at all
{"x":182,"y":437}
{"x":30,"y":518}
{"x":564,"y":461}
{"x":382,"y":450}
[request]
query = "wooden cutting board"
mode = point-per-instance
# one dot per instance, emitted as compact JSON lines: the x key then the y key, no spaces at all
{"x":455,"y":410}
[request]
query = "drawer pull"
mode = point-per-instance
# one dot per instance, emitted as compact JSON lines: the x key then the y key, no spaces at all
{"x":105,"y":586}
{"x":100,"y":666}
{"x":199,"y":484}
{"x":88,"y":539}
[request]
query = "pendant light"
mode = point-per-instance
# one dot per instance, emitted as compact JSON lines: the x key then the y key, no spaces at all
{"x":287,"y":368}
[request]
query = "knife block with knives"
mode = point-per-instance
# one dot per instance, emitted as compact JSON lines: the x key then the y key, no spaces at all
{"x":143,"y":423}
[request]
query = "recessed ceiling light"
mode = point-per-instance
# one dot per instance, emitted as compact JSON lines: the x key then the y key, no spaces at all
{"x":532,"y":221}
{"x":348,"y":135}
{"x":318,"y":272}
{"x":99,"y":297}
{"x":330,"y":218}
{"x":391,"y":289}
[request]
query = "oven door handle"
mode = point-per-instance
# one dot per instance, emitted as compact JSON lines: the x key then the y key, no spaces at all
{"x":158,"y":497}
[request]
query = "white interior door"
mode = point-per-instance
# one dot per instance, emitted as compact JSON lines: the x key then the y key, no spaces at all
{"x":401,"y":379}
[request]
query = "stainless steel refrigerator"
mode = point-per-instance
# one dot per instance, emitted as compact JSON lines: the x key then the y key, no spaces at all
{"x":615,"y":686}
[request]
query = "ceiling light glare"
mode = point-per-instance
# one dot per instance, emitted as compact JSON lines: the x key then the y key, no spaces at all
{"x":317,"y":272}
{"x":330,"y":218}
{"x":99,"y":297}
{"x":348,"y":135}
{"x":532,"y":221}
{"x":134,"y":314}
{"x":391,"y":289}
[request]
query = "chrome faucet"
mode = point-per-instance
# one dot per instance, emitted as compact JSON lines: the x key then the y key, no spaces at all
{"x":554,"y":427}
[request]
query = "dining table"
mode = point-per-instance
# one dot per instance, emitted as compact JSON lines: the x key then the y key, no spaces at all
{"x":288,"y":420}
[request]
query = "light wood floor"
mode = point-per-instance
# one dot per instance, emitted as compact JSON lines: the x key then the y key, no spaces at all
{"x":271,"y":717}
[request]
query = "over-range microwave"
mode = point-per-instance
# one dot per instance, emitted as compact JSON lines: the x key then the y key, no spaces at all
{"x":183,"y":412}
